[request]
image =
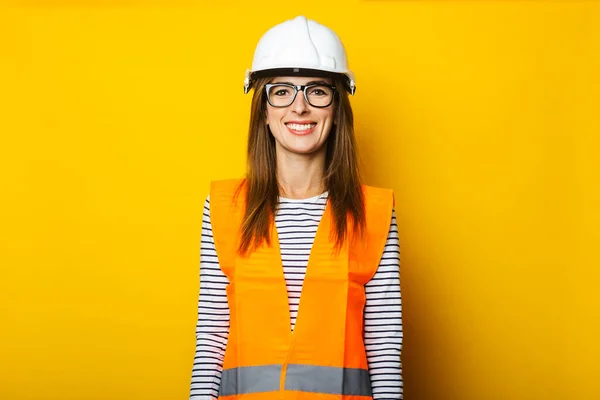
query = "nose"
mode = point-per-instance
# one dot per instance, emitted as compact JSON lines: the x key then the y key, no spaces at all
{"x":300,"y":106}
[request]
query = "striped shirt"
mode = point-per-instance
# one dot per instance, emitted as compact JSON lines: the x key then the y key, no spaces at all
{"x":296,"y":222}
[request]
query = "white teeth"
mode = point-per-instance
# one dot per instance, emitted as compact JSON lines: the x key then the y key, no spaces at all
{"x":303,"y":127}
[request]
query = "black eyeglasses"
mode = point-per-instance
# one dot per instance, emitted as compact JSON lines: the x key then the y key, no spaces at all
{"x":318,"y":95}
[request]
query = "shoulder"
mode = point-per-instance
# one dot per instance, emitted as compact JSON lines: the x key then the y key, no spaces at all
{"x":378,"y":196}
{"x":226,"y":184}
{"x":226,"y":190}
{"x":227,"y":198}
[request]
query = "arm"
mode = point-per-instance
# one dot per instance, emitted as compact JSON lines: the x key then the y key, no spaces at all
{"x":383,"y":322}
{"x":212,"y":328}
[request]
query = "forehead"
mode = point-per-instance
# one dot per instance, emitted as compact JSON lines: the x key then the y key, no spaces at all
{"x":299,"y":80}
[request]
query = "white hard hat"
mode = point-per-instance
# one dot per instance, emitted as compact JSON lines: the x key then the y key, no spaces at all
{"x":299,"y":47}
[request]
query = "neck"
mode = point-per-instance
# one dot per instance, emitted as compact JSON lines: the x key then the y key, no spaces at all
{"x":300,"y":176}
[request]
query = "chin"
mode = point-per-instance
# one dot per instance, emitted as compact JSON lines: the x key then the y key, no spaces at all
{"x":302,"y":149}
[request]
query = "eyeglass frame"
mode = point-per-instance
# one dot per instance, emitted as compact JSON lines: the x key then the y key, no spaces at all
{"x":298,"y":88}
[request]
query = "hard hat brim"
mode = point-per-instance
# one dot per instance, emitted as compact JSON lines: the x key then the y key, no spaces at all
{"x":293,"y":71}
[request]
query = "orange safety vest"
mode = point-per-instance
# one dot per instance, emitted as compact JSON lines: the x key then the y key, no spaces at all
{"x":324,"y":356}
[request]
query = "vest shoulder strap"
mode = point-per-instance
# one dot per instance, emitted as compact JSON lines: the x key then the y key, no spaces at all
{"x":227,"y":199}
{"x":379,"y":203}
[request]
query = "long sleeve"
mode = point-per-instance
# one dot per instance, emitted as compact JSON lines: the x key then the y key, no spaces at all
{"x":383,"y":322}
{"x":212,"y":328}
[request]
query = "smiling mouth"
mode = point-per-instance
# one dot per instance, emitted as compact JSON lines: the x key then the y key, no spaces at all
{"x":301,"y":127}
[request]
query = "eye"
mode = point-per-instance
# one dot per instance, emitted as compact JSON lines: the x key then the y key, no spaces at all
{"x":317,"y":91}
{"x":281,"y":91}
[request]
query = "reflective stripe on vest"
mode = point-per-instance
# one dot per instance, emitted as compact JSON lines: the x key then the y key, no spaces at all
{"x":305,"y":378}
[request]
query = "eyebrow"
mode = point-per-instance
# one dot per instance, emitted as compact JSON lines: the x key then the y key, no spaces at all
{"x":309,"y":83}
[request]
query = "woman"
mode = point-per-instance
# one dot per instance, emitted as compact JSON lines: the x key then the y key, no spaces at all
{"x":300,"y":230}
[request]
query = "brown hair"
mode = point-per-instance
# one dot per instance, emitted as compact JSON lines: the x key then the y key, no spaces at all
{"x":341,"y":177}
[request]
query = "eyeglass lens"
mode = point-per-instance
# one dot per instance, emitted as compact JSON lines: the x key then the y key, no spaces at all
{"x":284,"y":95}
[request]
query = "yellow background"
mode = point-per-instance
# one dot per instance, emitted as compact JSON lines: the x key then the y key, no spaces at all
{"x":483,"y":116}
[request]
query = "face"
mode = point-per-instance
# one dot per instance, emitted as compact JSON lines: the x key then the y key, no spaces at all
{"x":300,"y":128}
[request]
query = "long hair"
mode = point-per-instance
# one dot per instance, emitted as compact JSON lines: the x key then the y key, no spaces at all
{"x":341,"y":176}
